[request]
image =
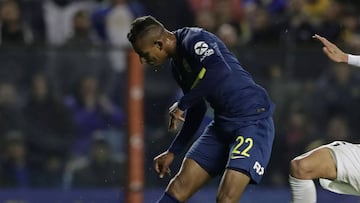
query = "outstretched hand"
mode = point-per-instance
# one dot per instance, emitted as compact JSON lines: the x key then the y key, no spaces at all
{"x":331,"y":50}
{"x":176,"y":115}
{"x":162,"y":163}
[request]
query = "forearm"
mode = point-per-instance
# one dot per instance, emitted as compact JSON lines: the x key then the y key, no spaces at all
{"x":192,"y":123}
{"x":353,"y":60}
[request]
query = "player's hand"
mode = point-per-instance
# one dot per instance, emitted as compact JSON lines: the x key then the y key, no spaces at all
{"x":176,"y":115}
{"x":331,"y":50}
{"x":162,"y":163}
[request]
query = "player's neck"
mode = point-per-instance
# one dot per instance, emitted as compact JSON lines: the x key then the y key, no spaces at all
{"x":171,"y":44}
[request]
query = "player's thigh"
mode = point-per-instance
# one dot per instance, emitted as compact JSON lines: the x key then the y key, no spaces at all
{"x":250,"y":149}
{"x":210,"y":151}
{"x":190,"y":178}
{"x":318,"y":163}
{"x":233,"y":184}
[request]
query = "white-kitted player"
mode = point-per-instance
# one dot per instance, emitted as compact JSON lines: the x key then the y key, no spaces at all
{"x":336,"y":165}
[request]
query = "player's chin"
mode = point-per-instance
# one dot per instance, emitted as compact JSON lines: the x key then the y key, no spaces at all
{"x":157,"y":65}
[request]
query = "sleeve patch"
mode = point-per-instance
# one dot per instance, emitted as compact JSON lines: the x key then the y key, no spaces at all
{"x":202,"y":49}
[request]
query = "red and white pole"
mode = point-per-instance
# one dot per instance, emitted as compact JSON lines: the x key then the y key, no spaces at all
{"x":135,"y":184}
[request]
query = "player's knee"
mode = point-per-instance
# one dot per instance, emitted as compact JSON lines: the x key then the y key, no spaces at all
{"x":178,"y":189}
{"x":300,"y":168}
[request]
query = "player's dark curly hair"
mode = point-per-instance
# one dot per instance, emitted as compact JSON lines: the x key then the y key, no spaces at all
{"x":142,"y":25}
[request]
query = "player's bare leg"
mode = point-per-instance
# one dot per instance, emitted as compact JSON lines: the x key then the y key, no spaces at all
{"x":190,"y":178}
{"x":233,"y":184}
{"x":315,"y":164}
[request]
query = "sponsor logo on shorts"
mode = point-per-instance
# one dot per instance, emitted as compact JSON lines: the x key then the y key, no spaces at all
{"x":258,"y":168}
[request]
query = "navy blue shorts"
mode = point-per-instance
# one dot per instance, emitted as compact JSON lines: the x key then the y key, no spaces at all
{"x":245,"y":148}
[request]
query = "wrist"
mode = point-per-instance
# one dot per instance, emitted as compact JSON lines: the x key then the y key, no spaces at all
{"x":171,"y":153}
{"x":345,"y":58}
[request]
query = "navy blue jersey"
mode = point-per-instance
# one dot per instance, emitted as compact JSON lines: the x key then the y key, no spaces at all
{"x":207,"y":71}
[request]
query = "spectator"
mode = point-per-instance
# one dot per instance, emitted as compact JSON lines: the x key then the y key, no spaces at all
{"x":80,"y":55}
{"x":91,"y":112}
{"x":49,"y":127}
{"x":15,"y":171}
{"x":100,"y":170}
{"x":14,"y":31}
{"x":82,"y":35}
{"x":11,"y":116}
{"x":58,"y":16}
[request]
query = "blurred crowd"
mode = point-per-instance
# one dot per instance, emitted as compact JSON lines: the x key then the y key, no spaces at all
{"x":63,"y":82}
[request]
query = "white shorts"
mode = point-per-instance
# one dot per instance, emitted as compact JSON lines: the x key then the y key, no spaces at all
{"x":347,"y":158}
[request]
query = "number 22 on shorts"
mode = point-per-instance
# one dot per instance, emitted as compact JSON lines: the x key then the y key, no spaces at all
{"x":237,"y":153}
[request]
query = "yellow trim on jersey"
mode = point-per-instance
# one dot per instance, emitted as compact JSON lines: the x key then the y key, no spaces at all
{"x":199,"y":77}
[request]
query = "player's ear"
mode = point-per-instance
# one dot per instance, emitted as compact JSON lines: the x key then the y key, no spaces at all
{"x":159,"y":44}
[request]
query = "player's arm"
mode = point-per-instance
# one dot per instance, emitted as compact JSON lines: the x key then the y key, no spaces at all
{"x":336,"y":54}
{"x":193,"y":119}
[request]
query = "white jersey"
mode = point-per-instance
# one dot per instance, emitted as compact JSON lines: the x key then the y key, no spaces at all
{"x":347,"y":158}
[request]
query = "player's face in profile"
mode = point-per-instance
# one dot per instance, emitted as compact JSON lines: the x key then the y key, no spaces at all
{"x":150,"y":52}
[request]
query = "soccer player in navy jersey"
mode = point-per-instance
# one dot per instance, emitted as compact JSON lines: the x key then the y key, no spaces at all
{"x":237,"y":143}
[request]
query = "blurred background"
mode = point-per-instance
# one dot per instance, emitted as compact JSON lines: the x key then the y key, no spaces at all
{"x":64,"y":108}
